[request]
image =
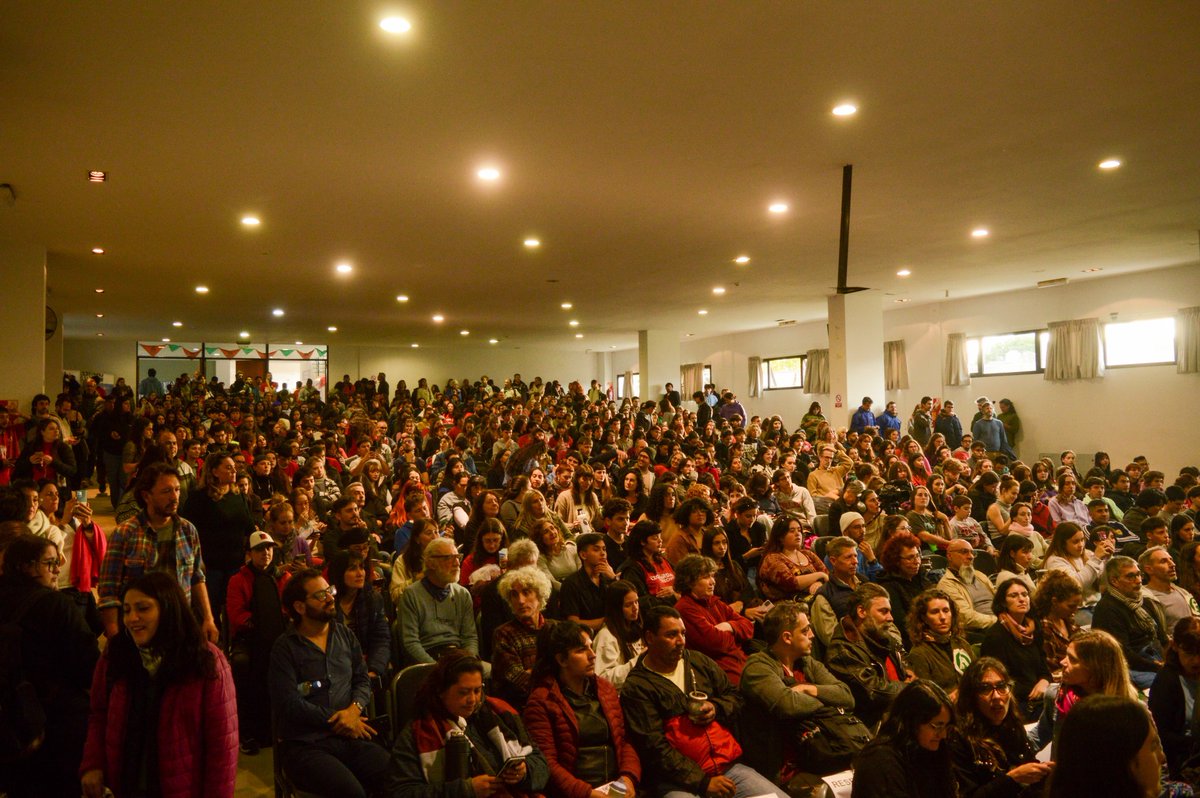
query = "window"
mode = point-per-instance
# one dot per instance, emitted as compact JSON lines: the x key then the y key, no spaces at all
{"x":779,"y":373}
{"x":707,"y":378}
{"x":1137,"y":343}
{"x":637,"y":384}
{"x":1008,"y":353}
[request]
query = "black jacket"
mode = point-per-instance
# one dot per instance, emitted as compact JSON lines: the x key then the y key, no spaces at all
{"x":1170,"y":716}
{"x":1114,"y":617}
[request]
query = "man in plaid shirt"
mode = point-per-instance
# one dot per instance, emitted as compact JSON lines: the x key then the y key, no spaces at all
{"x":157,"y":539}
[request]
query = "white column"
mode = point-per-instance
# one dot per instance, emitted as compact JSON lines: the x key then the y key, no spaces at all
{"x":855,"y":353}
{"x":658,"y":362}
{"x":23,"y":308}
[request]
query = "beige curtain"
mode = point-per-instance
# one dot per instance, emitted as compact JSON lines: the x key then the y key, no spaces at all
{"x":895,"y":366}
{"x":1075,"y":351}
{"x":693,"y":379}
{"x":627,"y":380}
{"x":1187,"y":340}
{"x":816,"y":371}
{"x":958,"y":369}
{"x":755,"y":377}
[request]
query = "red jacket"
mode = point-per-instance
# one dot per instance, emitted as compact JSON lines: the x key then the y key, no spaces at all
{"x":197,"y":734}
{"x":555,"y":730}
{"x":238,"y":594}
{"x":700,"y":619}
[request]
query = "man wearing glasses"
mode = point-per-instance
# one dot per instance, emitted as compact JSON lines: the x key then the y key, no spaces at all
{"x":1134,"y":619}
{"x":319,"y":693}
{"x":437,"y":613}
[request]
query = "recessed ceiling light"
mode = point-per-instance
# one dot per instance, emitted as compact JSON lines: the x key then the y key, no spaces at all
{"x":903,"y":273}
{"x":742,"y":259}
{"x":100,"y":335}
{"x":439,"y":318}
{"x":402,"y":297}
{"x":395,"y":24}
{"x":1110,"y":163}
{"x":489,"y":174}
{"x":251,"y":221}
{"x":277,"y":312}
{"x":578,"y":335}
{"x":202,"y":289}
{"x":99,"y":315}
{"x":493,"y":340}
{"x":690,"y":335}
{"x":344,"y":268}
{"x":243,"y":334}
{"x":901,"y":300}
{"x":719,"y":290}
{"x":980,"y":232}
{"x":532,"y":243}
{"x":299,"y":343}
{"x":778,"y":207}
{"x":331,"y":329}
{"x":702,"y":312}
{"x":97,"y":250}
{"x":166,"y":340}
{"x":97,"y":176}
{"x":845,"y":109}
{"x":414,"y":346}
{"x":566,"y":306}
{"x":99,"y":290}
{"x":176,"y":324}
{"x":573,"y":323}
{"x":464,"y":332}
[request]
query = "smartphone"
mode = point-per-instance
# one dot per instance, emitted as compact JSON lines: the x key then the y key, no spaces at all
{"x":510,"y":766}
{"x":81,"y":496}
{"x":768,"y":604}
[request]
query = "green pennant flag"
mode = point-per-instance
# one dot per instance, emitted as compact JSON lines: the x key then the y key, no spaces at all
{"x":173,"y":347}
{"x":321,"y":352}
{"x":246,"y":350}
{"x":286,"y":352}
{"x":212,"y":350}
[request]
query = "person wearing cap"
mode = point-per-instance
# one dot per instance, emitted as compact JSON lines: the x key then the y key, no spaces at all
{"x":255,"y":612}
{"x":854,"y":526}
{"x":863,"y":419}
{"x":830,"y":603}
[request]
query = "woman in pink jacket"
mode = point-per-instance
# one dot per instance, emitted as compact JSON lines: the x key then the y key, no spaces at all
{"x":164,"y":717}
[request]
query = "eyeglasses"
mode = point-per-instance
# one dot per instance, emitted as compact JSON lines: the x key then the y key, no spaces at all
{"x":324,"y":595}
{"x":52,"y":565}
{"x":910,"y":558}
{"x":999,"y":688}
{"x":445,"y":556}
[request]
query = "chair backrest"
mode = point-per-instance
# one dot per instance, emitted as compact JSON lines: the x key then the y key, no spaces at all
{"x":985,"y":563}
{"x":821,"y":526}
{"x":819,"y":545}
{"x":404,"y":688}
{"x":937,"y":562}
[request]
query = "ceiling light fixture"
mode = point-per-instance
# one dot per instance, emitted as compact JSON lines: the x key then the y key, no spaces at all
{"x":439,"y":318}
{"x":901,"y":300}
{"x":331,"y":329}
{"x":202,"y":289}
{"x":344,"y":268}
{"x":414,"y":346}
{"x":566,"y":306}
{"x":299,"y":343}
{"x":99,"y":335}
{"x":402,"y":297}
{"x":166,"y":340}
{"x":489,"y":174}
{"x":719,"y":290}
{"x":1110,"y":163}
{"x":277,"y":312}
{"x":493,"y":340}
{"x":243,"y":334}
{"x":97,"y":176}
{"x":903,"y":273}
{"x":980,"y":232}
{"x":99,"y":315}
{"x":573,"y":323}
{"x":845,"y":109}
{"x":578,"y":335}
{"x":702,"y":312}
{"x":742,"y":259}
{"x":99,"y":290}
{"x":97,"y":250}
{"x":176,"y":324}
{"x":532,"y":243}
{"x":778,"y":207}
{"x":464,"y":332}
{"x":251,"y":221}
{"x":395,"y":24}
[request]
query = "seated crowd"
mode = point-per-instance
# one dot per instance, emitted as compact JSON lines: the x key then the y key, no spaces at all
{"x":532,"y":589}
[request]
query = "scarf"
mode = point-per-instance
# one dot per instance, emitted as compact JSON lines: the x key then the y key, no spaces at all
{"x":438,"y":593}
{"x":1141,"y":615}
{"x":150,"y":660}
{"x":1022,"y":632}
{"x":86,"y":556}
{"x":430,"y":734}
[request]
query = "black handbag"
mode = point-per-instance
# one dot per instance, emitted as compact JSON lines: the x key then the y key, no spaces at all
{"x":827,"y":742}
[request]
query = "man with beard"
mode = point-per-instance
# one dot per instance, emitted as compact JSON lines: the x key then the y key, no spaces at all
{"x":155,"y":539}
{"x":437,"y":614}
{"x":865,"y":653}
{"x":319,"y":692}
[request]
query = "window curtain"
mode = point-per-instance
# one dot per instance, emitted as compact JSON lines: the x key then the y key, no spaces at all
{"x":895,"y":366}
{"x":816,"y":371}
{"x":1187,"y":340}
{"x":958,"y":369}
{"x":755,"y":377}
{"x":627,"y":381}
{"x":1075,"y":351}
{"x":693,"y":379}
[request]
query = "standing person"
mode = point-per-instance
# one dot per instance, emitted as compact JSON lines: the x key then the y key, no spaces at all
{"x":111,"y":430}
{"x":908,"y":759}
{"x":163,"y":713}
{"x":57,"y":656}
{"x":319,"y":694}
{"x":574,"y":717}
{"x":223,"y":522}
{"x":863,"y":419}
{"x":920,"y":424}
{"x":949,"y":426}
{"x":156,"y":539}
{"x":1011,"y":421}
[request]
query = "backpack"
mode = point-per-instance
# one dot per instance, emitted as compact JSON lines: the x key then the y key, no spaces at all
{"x":22,"y":717}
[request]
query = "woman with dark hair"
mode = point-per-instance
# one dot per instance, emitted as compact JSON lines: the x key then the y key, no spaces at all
{"x":510,"y":505}
{"x":811,"y":420}
{"x":788,"y":570}
{"x":1068,"y":552}
{"x":1016,"y":640}
{"x":713,"y":628}
{"x":1101,"y":466}
{"x":632,"y":489}
{"x":361,"y":609}
{"x":1107,"y":746}
{"x":907,"y":759}
{"x":163,"y":712}
{"x":646,"y":567}
{"x":47,"y":456}
{"x":618,"y":644}
{"x":486,"y":505}
{"x":939,"y":652}
{"x":450,"y":703}
{"x":992,"y":753}
{"x":409,"y":567}
{"x":1183,"y":531}
{"x":660,"y":508}
{"x":1174,"y":690}
{"x":486,"y":551}
{"x":732,"y":586}
{"x":575,"y":717}
{"x":557,"y":558}
{"x":141,"y":435}
{"x":582,"y":497}
{"x":1016,"y":559}
{"x":58,"y":655}
{"x":1055,"y":603}
{"x":928,"y":523}
{"x":692,"y":517}
{"x":497,"y":475}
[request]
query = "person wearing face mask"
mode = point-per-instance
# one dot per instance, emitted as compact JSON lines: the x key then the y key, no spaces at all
{"x":163,"y":712}
{"x":865,"y":653}
{"x":1172,"y":699}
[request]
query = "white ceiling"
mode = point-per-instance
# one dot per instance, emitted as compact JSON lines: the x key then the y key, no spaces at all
{"x":641,"y":142}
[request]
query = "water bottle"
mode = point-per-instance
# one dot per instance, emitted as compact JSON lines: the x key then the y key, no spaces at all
{"x":585,"y":525}
{"x":458,"y":756}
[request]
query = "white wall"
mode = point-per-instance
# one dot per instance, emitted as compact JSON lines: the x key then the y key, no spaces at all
{"x":105,"y":355}
{"x":439,"y":365}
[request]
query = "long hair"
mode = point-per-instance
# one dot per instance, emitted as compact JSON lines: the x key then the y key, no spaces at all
{"x":1099,"y":738}
{"x":656,"y":505}
{"x":561,"y":637}
{"x":24,"y":549}
{"x":1189,"y":580}
{"x":1058,"y":542}
{"x":178,"y":640}
{"x":978,"y":731}
{"x":614,"y":617}
{"x":1101,"y":654}
{"x":1053,"y":586}
{"x":917,"y":625}
{"x":444,"y":674}
{"x":918,"y":703}
{"x":208,"y":477}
